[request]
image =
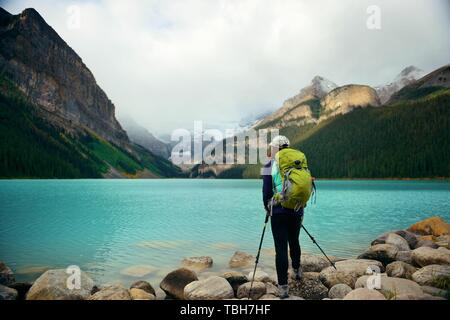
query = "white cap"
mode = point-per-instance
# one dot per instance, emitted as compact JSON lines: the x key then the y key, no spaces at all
{"x":279,"y":141}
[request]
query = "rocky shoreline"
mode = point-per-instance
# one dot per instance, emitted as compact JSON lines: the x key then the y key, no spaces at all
{"x":411,"y":264}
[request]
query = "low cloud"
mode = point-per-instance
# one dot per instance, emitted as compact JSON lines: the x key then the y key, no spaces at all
{"x":168,"y":63}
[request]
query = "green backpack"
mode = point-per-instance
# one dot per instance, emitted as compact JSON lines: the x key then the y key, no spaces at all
{"x":296,"y":181}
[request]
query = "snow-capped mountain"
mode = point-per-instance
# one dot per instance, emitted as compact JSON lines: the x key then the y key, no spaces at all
{"x":301,"y":107}
{"x":404,"y":78}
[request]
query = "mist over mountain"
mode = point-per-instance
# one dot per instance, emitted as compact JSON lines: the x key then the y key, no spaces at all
{"x":56,"y":121}
{"x":143,"y":137}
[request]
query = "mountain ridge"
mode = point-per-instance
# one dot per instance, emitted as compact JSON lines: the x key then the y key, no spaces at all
{"x":56,"y":122}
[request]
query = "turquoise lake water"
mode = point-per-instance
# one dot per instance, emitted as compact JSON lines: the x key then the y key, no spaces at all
{"x":107,"y":226}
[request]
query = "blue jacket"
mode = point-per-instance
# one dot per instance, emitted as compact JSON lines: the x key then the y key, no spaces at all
{"x":267,"y":191}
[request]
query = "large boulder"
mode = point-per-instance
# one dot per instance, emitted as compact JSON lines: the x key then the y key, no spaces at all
{"x":258,"y":290}
{"x":398,"y":241}
{"x":235,"y":279}
{"x":53,"y":285}
{"x":241,"y":260}
{"x":339,"y":291}
{"x":432,"y":275}
{"x":443,"y":241}
{"x":424,"y":256}
{"x":313,"y":263}
{"x":197,"y":263}
{"x":392,"y":287}
{"x":410,"y":238}
{"x":6,"y":275}
{"x":8,"y":293}
{"x":113,"y":292}
{"x":213,"y":288}
{"x":405,"y":256}
{"x":139,"y":294}
{"x":173,"y":283}
{"x":309,"y":287}
{"x":348,"y":271}
{"x":364,"y":294}
{"x":426,"y":243}
{"x":260,"y":276}
{"x":143,"y":285}
{"x":400,"y":269}
{"x":272,"y":289}
{"x":385,"y":253}
{"x":435,"y":226}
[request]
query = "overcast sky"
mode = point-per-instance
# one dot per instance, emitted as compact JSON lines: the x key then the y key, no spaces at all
{"x":170,"y":62}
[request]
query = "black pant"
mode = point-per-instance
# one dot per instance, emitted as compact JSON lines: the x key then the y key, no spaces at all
{"x":286,"y":230}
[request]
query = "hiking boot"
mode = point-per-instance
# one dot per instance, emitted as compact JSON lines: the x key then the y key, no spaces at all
{"x":284,"y":291}
{"x":298,"y":273}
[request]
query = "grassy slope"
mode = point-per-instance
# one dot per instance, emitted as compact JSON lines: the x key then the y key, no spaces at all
{"x":32,"y":148}
{"x":408,"y":139}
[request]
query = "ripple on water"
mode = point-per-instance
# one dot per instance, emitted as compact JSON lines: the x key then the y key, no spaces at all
{"x":162,"y":244}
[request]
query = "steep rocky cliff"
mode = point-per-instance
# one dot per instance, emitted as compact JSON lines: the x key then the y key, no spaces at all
{"x":54,"y":78}
{"x":302,"y":108}
{"x":344,"y":99}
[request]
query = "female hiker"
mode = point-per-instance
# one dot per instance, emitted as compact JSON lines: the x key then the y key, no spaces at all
{"x":286,"y":217}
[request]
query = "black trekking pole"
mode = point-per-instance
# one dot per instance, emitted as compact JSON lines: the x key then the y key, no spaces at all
{"x":257,"y":256}
{"x":314,"y":240}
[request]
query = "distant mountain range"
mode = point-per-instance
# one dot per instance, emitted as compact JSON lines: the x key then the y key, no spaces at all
{"x":56,"y":122}
{"x":404,"y":78}
{"x":349,"y":132}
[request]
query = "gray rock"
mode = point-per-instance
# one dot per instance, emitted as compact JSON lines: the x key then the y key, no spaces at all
{"x":348,"y":271}
{"x":235,"y":279}
{"x":6,"y":275}
{"x":443,"y":241}
{"x":405,"y":256}
{"x":432,"y":275}
{"x":392,"y":287}
{"x":143,"y":285}
{"x":173,"y":283}
{"x":339,"y":291}
{"x":398,"y":241}
{"x":269,"y":297}
{"x":313,"y":263}
{"x":410,"y":237}
{"x":424,"y":256}
{"x":241,"y":260}
{"x":52,"y":285}
{"x":197,"y":263}
{"x":426,"y":243}
{"x":272,"y":289}
{"x":213,"y":288}
{"x":364,"y":294}
{"x":139,"y":294}
{"x":261,"y":276}
{"x":292,"y":297}
{"x":113,"y":292}
{"x":385,"y":253}
{"x":309,"y":287}
{"x":258,"y":290}
{"x":8,"y":293}
{"x":400,"y":269}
